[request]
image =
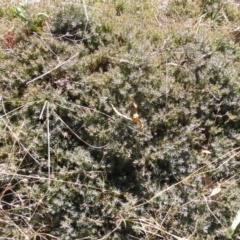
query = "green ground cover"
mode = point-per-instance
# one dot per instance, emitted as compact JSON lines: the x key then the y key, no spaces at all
{"x":119,"y":119}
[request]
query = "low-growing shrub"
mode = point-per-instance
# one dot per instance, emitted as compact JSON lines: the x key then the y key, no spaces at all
{"x":120,"y":138}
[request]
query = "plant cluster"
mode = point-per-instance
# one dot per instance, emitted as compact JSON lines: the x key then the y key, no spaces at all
{"x":114,"y":128}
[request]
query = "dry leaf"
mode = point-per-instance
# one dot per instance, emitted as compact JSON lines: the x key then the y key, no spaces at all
{"x":215,"y":190}
{"x":208,"y":182}
{"x":135,"y":117}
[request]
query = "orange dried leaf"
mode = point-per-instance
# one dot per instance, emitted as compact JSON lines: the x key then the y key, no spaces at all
{"x":138,"y":121}
{"x":135,"y":117}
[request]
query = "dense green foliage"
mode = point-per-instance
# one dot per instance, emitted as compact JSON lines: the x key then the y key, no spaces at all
{"x":110,"y":178}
